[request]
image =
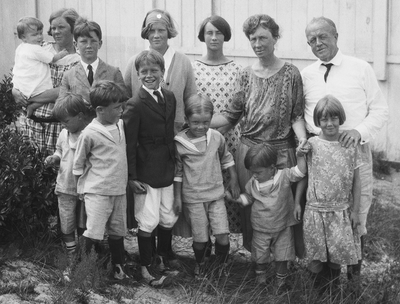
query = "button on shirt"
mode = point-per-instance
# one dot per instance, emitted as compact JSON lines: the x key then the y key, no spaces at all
{"x":353,"y":82}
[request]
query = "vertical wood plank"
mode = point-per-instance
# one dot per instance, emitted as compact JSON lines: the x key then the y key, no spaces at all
{"x":363,"y":29}
{"x":284,"y":21}
{"x":346,"y":26}
{"x":380,"y":37}
{"x":297,"y":37}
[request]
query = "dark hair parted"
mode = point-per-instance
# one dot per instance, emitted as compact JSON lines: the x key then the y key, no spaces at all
{"x":106,"y":92}
{"x":69,"y":14}
{"x":149,"y":56}
{"x":253,"y":22}
{"x":198,"y":104}
{"x":28,"y":22}
{"x":329,"y":105}
{"x":220,"y":23}
{"x":70,"y":105}
{"x":83,"y":27}
{"x":261,"y":155}
{"x":158,"y":15}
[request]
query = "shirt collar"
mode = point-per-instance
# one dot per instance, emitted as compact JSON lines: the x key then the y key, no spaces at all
{"x":94,"y":65}
{"x":337,"y":60}
{"x":152,"y":91}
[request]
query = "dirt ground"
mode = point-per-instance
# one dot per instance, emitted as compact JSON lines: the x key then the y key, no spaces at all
{"x":22,"y":281}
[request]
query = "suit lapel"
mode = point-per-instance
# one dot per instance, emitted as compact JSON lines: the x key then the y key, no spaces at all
{"x":150,"y":102}
{"x":169,"y":107}
{"x":81,"y":75}
{"x":101,"y":68}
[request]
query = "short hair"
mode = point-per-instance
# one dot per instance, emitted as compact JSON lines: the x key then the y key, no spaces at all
{"x":220,"y":23}
{"x":253,"y":22}
{"x":105,"y":92}
{"x":83,"y":27}
{"x":149,"y":56}
{"x":70,"y":105}
{"x":28,"y":22}
{"x":158,"y":15}
{"x":324,"y":20}
{"x":197,"y":104}
{"x":69,"y":14}
{"x":261,"y":155}
{"x":329,"y":105}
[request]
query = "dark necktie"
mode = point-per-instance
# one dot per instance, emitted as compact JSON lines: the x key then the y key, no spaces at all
{"x":328,"y":68}
{"x":160,"y":99}
{"x":90,"y":74}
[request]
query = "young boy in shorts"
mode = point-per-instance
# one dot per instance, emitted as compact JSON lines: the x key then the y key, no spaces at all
{"x":100,"y":163}
{"x":149,"y":127}
{"x":272,"y":214}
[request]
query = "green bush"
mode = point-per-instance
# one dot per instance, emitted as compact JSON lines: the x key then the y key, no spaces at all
{"x":27,"y":196}
{"x":9,"y":110}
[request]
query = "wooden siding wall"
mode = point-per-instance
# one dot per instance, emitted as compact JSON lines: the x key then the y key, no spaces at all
{"x":367,"y":29}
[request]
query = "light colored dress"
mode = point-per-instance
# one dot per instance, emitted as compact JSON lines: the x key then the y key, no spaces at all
{"x":327,"y":225}
{"x":218,"y":83}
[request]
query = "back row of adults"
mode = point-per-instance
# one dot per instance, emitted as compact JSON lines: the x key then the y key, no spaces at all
{"x":269,"y":101}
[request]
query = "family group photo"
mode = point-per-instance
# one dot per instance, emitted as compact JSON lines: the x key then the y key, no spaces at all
{"x":200,"y":151}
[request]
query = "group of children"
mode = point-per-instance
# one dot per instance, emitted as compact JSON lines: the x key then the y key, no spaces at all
{"x":107,"y":145}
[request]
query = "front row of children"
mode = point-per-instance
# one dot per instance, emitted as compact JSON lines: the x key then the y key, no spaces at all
{"x":183,"y":173}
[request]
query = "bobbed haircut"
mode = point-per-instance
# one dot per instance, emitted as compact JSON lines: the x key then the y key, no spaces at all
{"x":198,"y":104}
{"x":329,"y":105}
{"x":28,"y":22}
{"x":106,"y":92}
{"x":261,"y":155}
{"x":70,"y":105}
{"x":253,"y":22}
{"x":149,"y":56}
{"x":83,"y":27}
{"x":158,"y":15}
{"x":325,"y":20}
{"x":69,"y":14}
{"x":220,"y":23}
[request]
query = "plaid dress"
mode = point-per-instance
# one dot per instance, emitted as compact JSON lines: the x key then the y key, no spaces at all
{"x":44,"y":135}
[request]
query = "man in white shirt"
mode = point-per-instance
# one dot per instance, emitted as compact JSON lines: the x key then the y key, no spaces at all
{"x":353,"y":82}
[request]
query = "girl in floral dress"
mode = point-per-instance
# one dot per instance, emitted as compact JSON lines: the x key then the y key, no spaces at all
{"x":333,"y":197}
{"x":215,"y":76}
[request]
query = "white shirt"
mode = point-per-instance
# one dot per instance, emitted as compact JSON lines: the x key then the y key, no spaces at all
{"x":151,"y":92}
{"x":353,"y":82}
{"x":94,"y":65}
{"x":31,"y":72}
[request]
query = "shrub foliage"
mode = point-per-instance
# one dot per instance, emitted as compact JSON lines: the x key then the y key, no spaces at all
{"x":26,"y":187}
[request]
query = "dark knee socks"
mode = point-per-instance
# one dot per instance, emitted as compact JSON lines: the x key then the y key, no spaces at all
{"x":199,"y":251}
{"x":222,"y":252}
{"x":145,"y":250}
{"x":164,"y":241}
{"x":117,"y":251}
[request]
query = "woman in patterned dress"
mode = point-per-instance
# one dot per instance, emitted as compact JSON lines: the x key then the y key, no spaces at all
{"x":42,"y":129}
{"x":215,"y":75}
{"x":268,"y":102}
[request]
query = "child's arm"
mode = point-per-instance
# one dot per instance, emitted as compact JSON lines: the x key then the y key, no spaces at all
{"x":31,"y":108}
{"x":52,"y":161}
{"x":177,"y":197}
{"x":355,"y":220}
{"x":61,"y":54}
{"x":301,"y":186}
{"x":233,"y":182}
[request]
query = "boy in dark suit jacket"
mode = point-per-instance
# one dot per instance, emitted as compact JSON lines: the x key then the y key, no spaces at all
{"x":91,"y":69}
{"x":149,"y":127}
